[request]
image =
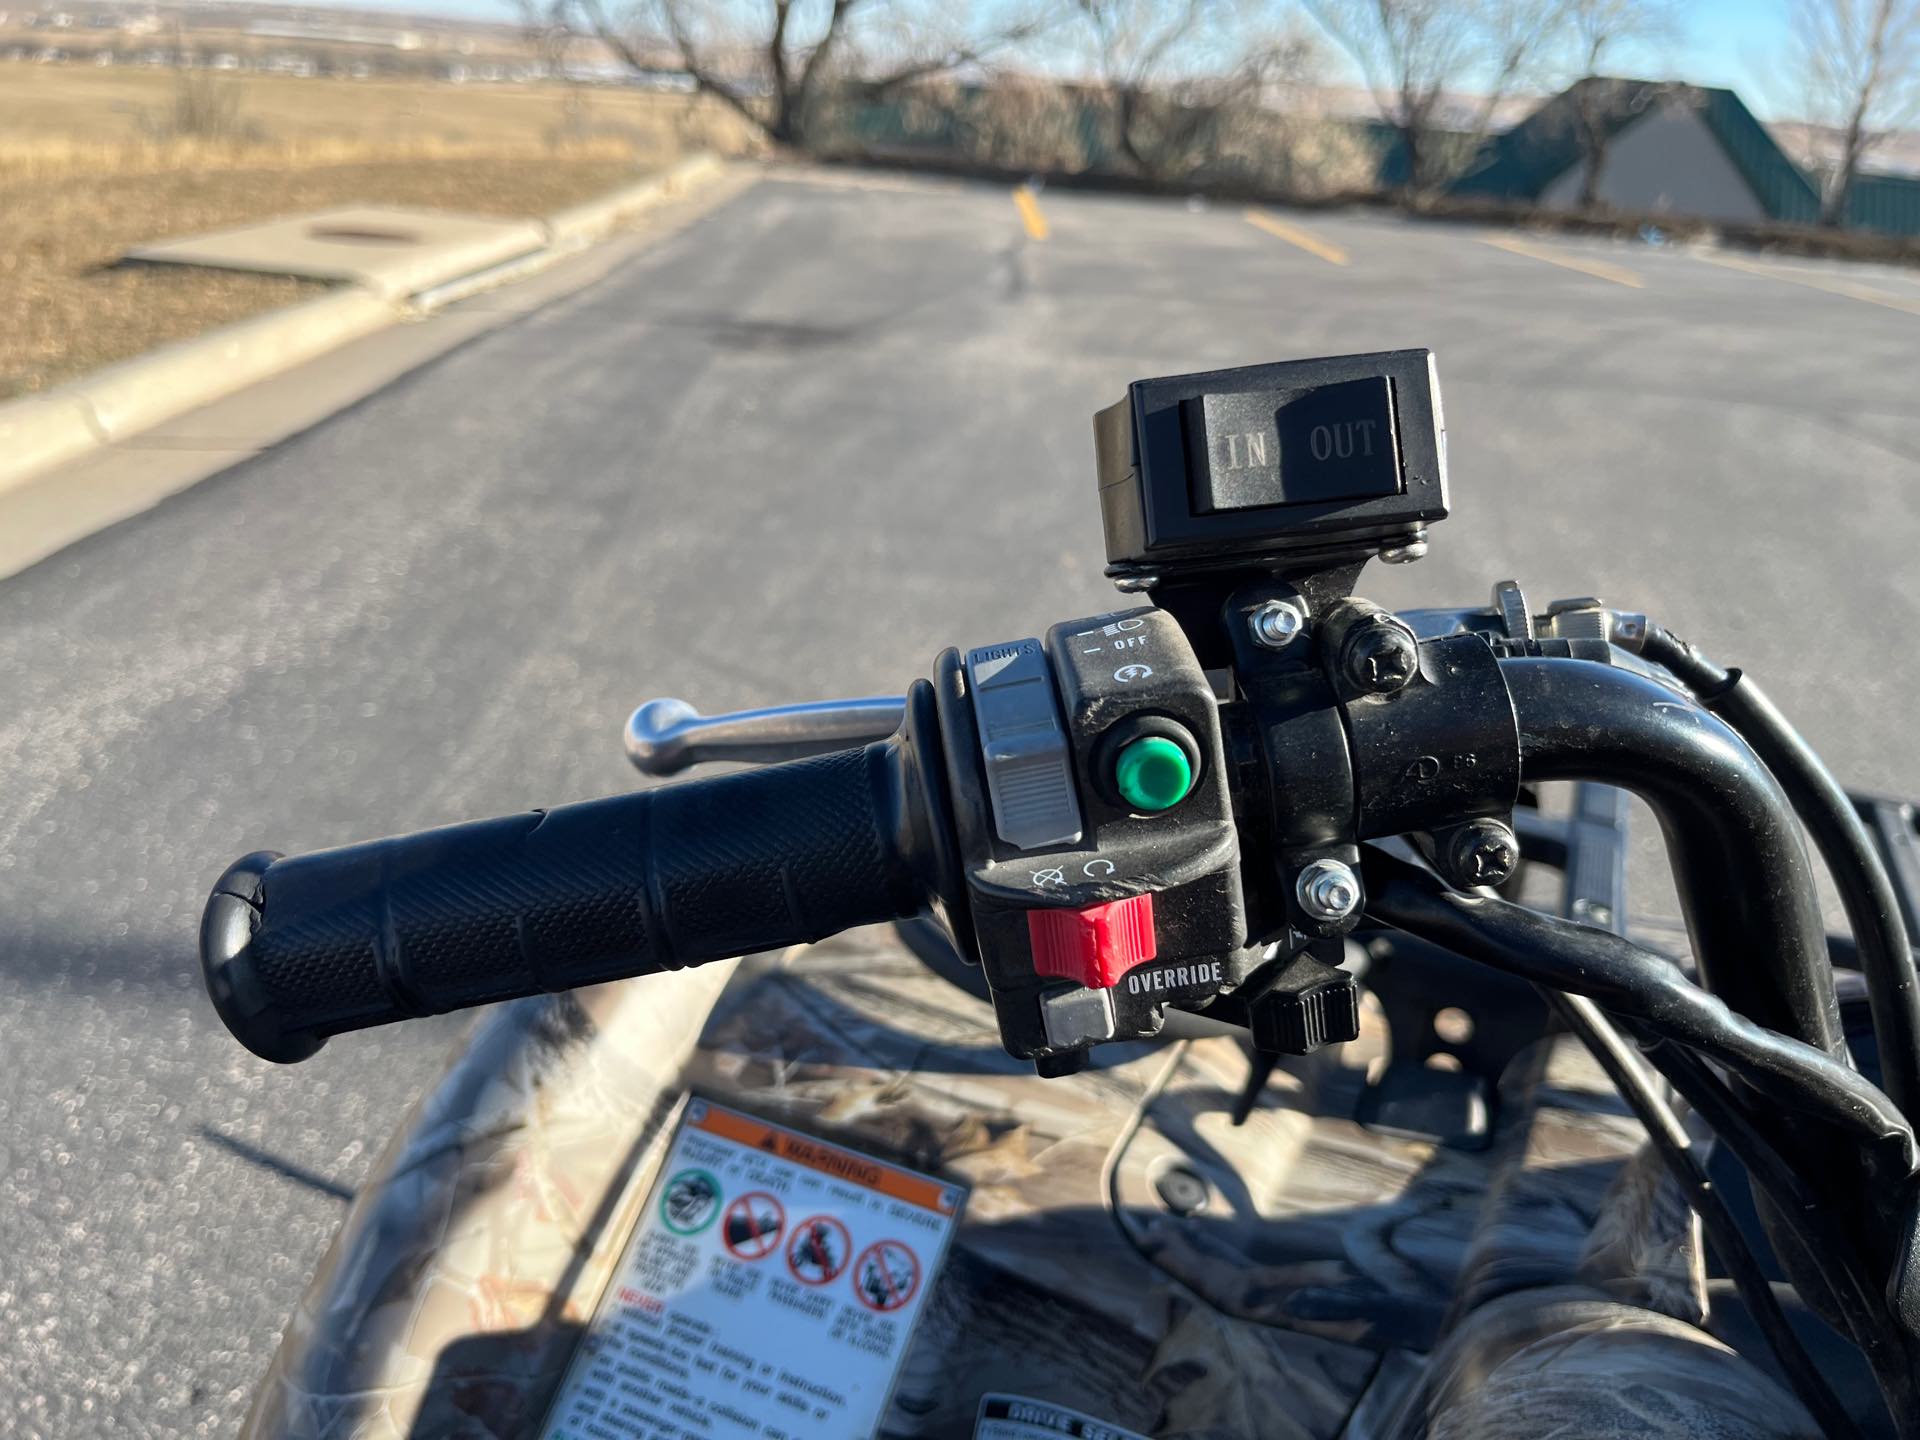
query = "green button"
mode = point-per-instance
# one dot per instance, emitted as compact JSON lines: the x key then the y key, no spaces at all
{"x":1153,"y":773}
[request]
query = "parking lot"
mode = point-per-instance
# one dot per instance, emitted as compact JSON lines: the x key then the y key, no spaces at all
{"x":789,"y":452}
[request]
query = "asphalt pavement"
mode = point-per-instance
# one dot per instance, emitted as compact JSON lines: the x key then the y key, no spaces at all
{"x":789,"y":452}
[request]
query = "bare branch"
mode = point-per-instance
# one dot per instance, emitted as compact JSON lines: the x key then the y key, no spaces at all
{"x":808,"y":53}
{"x":1171,"y":70}
{"x":1595,"y":31}
{"x":704,"y":79}
{"x":1860,"y":61}
{"x":810,"y":73}
{"x":952,"y":58}
{"x":1413,"y":52}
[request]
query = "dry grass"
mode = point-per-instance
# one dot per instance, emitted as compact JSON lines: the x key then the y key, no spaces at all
{"x":79,"y":107}
{"x":86,"y":171}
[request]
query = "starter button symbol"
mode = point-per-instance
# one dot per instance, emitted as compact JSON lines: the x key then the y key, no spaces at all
{"x":1127,"y":673}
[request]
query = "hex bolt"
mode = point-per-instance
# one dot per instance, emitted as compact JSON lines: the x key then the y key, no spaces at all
{"x":1276,"y":624}
{"x":1482,"y":852}
{"x":1380,"y":656}
{"x":1328,"y":890}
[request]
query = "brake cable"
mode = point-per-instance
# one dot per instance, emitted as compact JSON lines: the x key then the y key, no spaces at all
{"x":1866,"y":891}
{"x":1669,"y":1137}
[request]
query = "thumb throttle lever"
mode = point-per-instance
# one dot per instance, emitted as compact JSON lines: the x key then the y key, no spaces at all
{"x":664,"y":737}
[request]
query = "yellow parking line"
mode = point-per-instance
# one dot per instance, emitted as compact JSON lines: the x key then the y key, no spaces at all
{"x":1848,"y":288}
{"x":1295,"y":236}
{"x":1028,"y":204}
{"x":1599,"y":269}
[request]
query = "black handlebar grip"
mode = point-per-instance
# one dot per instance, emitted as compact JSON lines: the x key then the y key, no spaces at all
{"x":296,"y":950}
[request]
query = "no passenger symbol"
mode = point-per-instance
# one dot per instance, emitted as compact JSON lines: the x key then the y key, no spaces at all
{"x":819,"y":1250}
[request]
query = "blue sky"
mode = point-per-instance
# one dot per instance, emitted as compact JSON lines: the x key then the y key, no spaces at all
{"x":1718,"y":42}
{"x":1737,"y":43}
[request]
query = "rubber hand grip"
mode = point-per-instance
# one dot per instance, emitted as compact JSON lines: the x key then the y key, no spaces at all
{"x":296,"y":950}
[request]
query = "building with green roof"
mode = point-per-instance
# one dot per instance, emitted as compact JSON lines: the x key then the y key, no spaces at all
{"x":1673,"y":149}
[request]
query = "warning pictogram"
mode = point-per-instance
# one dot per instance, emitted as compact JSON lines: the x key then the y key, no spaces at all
{"x":752,"y":1226}
{"x":756,"y":1238}
{"x":886,"y":1276}
{"x":819,"y":1250}
{"x":690,"y":1201}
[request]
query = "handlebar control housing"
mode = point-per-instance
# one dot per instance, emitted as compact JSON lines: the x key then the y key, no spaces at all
{"x":1095,"y":830}
{"x":1074,"y":808}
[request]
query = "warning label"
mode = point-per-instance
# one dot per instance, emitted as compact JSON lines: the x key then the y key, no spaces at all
{"x":1014,"y":1417}
{"x":786,"y":1319}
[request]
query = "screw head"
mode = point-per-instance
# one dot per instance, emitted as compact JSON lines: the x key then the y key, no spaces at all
{"x":1181,"y":1190}
{"x":1380,"y":657}
{"x":1407,"y":553}
{"x":1276,"y":624}
{"x":1328,"y":890}
{"x":1483,"y":852}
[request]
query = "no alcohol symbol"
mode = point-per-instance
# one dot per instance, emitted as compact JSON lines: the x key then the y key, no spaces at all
{"x":753,"y":1225}
{"x":819,"y":1250}
{"x":690,"y":1201}
{"x":886,"y":1275}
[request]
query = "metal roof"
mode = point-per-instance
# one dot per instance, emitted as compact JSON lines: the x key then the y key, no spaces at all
{"x":1520,"y":164}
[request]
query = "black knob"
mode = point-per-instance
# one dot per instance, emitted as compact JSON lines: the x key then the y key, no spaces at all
{"x":1306,"y":1009}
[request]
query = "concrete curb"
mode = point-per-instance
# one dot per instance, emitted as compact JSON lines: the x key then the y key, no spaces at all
{"x":138,"y":394}
{"x":596,"y":219}
{"x":70,"y":421}
{"x":42,"y":431}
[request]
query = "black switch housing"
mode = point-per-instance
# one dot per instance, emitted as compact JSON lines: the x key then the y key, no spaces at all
{"x":1261,"y":466}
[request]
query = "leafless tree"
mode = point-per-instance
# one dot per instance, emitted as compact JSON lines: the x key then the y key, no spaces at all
{"x":1170,"y":70}
{"x":1413,"y":52}
{"x":773,"y":61}
{"x":1860,"y":60}
{"x":545,"y":25}
{"x":1597,"y":29}
{"x":549,"y":30}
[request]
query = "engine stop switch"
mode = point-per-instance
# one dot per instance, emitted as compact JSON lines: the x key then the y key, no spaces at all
{"x":1096,"y":830}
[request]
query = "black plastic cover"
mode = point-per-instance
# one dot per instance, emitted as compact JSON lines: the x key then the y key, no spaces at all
{"x":1304,"y":455}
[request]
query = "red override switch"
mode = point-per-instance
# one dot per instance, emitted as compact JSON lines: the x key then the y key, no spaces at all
{"x":1094,"y":946}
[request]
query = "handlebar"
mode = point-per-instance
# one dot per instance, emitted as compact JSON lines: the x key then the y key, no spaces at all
{"x":295,"y":950}
{"x":1164,"y":808}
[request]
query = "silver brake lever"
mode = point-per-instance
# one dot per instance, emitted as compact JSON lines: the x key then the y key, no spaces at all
{"x":664,"y":737}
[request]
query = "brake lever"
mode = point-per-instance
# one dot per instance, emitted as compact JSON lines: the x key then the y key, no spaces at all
{"x":664,"y":737}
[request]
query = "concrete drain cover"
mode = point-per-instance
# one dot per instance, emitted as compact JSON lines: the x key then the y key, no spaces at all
{"x":349,"y":236}
{"x":392,"y":250}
